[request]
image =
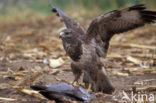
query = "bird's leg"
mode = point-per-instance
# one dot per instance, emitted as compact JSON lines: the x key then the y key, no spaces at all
{"x":89,"y":87}
{"x":76,"y":72}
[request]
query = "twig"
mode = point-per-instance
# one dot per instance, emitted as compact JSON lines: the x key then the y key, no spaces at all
{"x":7,"y":99}
{"x":150,"y":89}
{"x":134,"y":60}
{"x":120,"y":73}
{"x":144,"y":81}
{"x":142,"y":70}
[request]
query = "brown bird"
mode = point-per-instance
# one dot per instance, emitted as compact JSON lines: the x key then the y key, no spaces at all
{"x":86,"y":48}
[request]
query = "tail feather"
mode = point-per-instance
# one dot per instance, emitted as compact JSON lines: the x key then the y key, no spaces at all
{"x":104,"y":85}
{"x":103,"y":82}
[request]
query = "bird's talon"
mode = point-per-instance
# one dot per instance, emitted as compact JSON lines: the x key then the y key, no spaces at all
{"x":75,"y":84}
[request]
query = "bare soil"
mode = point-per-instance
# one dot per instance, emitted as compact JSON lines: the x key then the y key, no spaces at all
{"x":24,"y":44}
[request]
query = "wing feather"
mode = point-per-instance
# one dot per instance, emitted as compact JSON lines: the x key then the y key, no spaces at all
{"x":70,"y":23}
{"x":117,"y":21}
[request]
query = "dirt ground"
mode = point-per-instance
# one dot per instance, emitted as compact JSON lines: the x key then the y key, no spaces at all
{"x":26,"y":46}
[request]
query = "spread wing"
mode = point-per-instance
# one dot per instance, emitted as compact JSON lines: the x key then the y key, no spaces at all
{"x":105,"y":26}
{"x":70,"y":23}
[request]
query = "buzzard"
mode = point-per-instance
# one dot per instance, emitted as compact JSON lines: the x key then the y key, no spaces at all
{"x":86,"y":48}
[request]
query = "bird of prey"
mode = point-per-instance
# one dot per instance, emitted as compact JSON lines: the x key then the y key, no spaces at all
{"x":64,"y":92}
{"x":86,"y":48}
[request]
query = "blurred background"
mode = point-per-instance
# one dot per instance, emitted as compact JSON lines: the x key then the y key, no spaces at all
{"x":42,"y":6}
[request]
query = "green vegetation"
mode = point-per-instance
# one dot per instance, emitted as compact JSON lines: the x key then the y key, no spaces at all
{"x":43,"y":6}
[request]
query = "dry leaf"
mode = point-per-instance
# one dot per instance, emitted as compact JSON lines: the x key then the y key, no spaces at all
{"x":27,"y":91}
{"x":7,"y":99}
{"x":31,"y":92}
{"x":134,"y":60}
{"x":120,"y":73}
{"x":55,"y":71}
{"x":54,"y":63}
{"x":113,"y":55}
{"x":142,"y":70}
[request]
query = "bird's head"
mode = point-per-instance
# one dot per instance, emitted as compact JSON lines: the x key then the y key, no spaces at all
{"x":66,"y":34}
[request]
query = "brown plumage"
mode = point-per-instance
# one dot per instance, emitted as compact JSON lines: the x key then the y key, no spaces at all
{"x":76,"y":71}
{"x":86,"y":48}
{"x":105,"y":26}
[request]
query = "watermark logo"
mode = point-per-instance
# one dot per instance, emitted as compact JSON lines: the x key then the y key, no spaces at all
{"x":138,"y":97}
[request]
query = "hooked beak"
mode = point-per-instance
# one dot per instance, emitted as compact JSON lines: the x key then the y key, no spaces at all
{"x":61,"y":35}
